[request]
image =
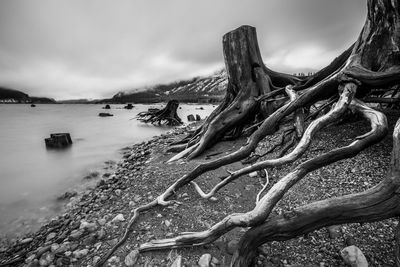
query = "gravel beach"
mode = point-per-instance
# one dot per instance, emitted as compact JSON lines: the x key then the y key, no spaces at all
{"x":96,"y":219}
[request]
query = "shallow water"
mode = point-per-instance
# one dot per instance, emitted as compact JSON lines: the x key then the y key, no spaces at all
{"x":32,"y":177}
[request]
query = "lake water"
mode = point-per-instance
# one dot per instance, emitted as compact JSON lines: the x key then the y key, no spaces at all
{"x":32,"y":177}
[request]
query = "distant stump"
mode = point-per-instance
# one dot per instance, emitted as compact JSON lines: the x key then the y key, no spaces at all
{"x":103,"y":114}
{"x":129,"y":106}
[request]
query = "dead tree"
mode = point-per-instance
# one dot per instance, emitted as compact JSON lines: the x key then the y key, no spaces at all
{"x":262,"y":102}
{"x":167,"y":115}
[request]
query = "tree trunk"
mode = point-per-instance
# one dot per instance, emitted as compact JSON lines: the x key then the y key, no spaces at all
{"x":248,"y":79}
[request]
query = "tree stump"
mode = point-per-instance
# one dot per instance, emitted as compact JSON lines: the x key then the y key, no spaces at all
{"x":58,"y":140}
{"x":167,"y":115}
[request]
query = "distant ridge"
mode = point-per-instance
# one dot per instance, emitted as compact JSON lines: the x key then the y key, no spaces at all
{"x":208,"y":89}
{"x":14,"y":96}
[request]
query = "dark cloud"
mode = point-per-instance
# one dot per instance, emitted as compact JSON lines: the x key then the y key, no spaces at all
{"x":74,"y":48}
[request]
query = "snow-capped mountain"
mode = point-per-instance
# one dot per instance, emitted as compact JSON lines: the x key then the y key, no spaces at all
{"x":200,"y":89}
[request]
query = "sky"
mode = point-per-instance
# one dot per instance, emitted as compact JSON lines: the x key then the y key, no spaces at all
{"x":71,"y":49}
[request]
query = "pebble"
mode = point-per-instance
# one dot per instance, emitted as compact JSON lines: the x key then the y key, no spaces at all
{"x":80,"y":253}
{"x":114,"y":259}
{"x":26,"y":240}
{"x":335,"y":231}
{"x":50,"y":236}
{"x":205,"y":260}
{"x":101,"y":221}
{"x":91,"y":227}
{"x":76,"y":234}
{"x":132,"y":257}
{"x":118,"y":218}
{"x":253,"y":174}
{"x":177,"y":262}
{"x":54,"y":247}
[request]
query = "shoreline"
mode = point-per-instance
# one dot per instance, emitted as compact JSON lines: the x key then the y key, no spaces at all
{"x":25,"y":207}
{"x":96,"y":222}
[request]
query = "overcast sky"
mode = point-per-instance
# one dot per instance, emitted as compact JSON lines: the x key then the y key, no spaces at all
{"x":94,"y":48}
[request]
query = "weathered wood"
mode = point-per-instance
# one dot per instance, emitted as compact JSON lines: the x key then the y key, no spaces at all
{"x":58,"y":140}
{"x":167,"y":115}
{"x":378,"y":203}
{"x":105,"y":114}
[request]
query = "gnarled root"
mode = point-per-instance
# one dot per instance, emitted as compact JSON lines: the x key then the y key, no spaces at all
{"x":128,"y":228}
{"x":380,"y":202}
{"x":167,"y":115}
{"x":335,"y":113}
{"x":264,"y":207}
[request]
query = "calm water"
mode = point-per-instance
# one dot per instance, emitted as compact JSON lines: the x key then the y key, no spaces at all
{"x":31,"y":177}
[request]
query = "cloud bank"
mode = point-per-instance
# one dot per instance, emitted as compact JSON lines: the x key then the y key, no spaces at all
{"x":91,"y":49}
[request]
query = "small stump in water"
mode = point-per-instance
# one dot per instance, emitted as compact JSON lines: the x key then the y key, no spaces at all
{"x":104,"y":114}
{"x":167,"y":115}
{"x":58,"y":140}
{"x":129,"y":106}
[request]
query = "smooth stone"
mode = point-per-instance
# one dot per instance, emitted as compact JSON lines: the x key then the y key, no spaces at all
{"x":76,"y":234}
{"x":91,"y":227}
{"x":26,"y":240}
{"x":102,"y":221}
{"x":118,"y":218}
{"x":205,"y":260}
{"x":132,"y":257}
{"x":253,"y":174}
{"x":354,"y":257}
{"x":80,"y":253}
{"x":50,"y":236}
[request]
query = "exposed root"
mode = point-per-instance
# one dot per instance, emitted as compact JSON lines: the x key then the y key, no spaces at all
{"x":183,"y":153}
{"x":128,"y":228}
{"x":263,"y":188}
{"x":378,"y":203}
{"x":266,"y":204}
{"x":302,"y":146}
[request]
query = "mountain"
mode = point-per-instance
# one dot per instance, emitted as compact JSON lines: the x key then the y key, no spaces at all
{"x":200,"y":89}
{"x":75,"y":101}
{"x":42,"y":100}
{"x":14,"y":96}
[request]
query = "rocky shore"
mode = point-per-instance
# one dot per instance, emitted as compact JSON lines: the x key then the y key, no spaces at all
{"x":96,"y":220}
